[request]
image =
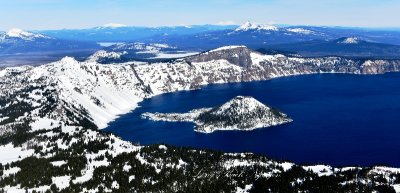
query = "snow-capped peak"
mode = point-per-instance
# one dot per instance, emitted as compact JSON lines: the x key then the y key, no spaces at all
{"x":19,"y":33}
{"x":253,"y":26}
{"x":350,"y":40}
{"x":14,"y":32}
{"x":114,"y":25}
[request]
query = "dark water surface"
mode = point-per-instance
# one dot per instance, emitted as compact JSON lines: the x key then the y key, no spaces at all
{"x":339,"y":119}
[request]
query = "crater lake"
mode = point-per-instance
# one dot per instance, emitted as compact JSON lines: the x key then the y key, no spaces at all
{"x":339,"y":119}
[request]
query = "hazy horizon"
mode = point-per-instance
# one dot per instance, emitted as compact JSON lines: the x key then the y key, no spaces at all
{"x":204,"y":24}
{"x":75,"y":14}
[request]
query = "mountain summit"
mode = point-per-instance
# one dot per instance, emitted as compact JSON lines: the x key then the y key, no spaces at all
{"x":253,"y":26}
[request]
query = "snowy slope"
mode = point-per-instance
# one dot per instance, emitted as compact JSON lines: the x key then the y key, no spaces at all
{"x":104,"y":90}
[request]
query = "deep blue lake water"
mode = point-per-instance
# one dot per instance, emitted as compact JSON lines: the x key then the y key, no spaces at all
{"x":339,"y":119}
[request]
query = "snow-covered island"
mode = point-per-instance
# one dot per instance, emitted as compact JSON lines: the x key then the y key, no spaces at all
{"x":239,"y":113}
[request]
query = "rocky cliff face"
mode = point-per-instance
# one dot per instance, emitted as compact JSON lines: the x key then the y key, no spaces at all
{"x":238,"y":63}
{"x":238,"y":55}
{"x":379,"y":66}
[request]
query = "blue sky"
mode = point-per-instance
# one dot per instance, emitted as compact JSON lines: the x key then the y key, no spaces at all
{"x":57,"y":14}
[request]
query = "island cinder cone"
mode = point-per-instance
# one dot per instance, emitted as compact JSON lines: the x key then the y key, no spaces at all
{"x":239,"y":113}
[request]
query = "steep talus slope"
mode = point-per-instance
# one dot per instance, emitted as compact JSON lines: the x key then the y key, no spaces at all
{"x":49,"y":140}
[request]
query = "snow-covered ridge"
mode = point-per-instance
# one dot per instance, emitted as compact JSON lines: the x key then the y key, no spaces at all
{"x":300,"y":31}
{"x":113,"y":25}
{"x":102,"y":54}
{"x":150,"y":51}
{"x":19,"y":33}
{"x":227,"y":48}
{"x":252,"y":26}
{"x":142,"y":47}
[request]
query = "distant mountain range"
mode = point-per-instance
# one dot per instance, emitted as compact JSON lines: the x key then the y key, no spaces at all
{"x":121,"y":33}
{"x":19,"y":41}
{"x":217,"y":35}
{"x":19,"y":47}
{"x":347,"y":46}
{"x":260,"y":35}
